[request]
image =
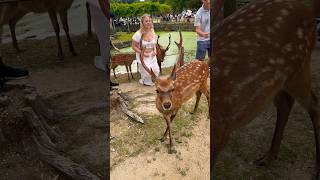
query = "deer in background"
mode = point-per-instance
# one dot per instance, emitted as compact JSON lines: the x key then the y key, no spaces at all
{"x":52,"y":7}
{"x":123,"y":59}
{"x":11,"y":15}
{"x":262,"y":53}
{"x":179,"y":87}
{"x":161,"y":51}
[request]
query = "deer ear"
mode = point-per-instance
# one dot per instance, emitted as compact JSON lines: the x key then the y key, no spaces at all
{"x":173,"y":73}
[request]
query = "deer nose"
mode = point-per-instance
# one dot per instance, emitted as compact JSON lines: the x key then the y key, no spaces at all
{"x":167,"y":105}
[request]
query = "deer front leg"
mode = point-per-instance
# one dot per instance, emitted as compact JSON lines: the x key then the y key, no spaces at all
{"x":89,"y":20}
{"x":313,"y":110}
{"x":55,"y":24}
{"x":127,"y":68}
{"x":198,"y":93}
{"x":284,"y":102}
{"x":218,"y":138}
{"x":114,"y":72}
{"x":64,"y":20}
{"x":12,"y":25}
{"x":131,"y":71}
{"x":165,"y":133}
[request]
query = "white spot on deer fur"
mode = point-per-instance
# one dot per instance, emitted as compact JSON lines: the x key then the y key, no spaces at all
{"x":260,"y":14}
{"x":280,"y":60}
{"x":240,"y":20}
{"x":226,"y":72}
{"x":277,"y":25}
{"x":300,"y":33}
{"x":259,"y":10}
{"x":252,"y":65}
{"x":246,"y":42}
{"x":234,"y":45}
{"x":288,"y":47}
{"x":279,"y":18}
{"x":230,"y":33}
{"x":258,"y":35}
{"x":253,"y":6}
{"x":250,"y":15}
{"x":234,"y":52}
{"x":255,"y":19}
{"x":270,"y":29}
{"x":240,"y":33}
{"x":272,"y":61}
{"x":284,"y":12}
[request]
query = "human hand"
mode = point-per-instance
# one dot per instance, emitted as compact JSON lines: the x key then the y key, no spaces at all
{"x":154,"y":53}
{"x":206,"y":34}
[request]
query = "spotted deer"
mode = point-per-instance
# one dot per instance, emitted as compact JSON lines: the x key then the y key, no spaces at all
{"x":179,"y":87}
{"x":52,"y":7}
{"x":123,"y":59}
{"x":161,"y":51}
{"x":262,"y":53}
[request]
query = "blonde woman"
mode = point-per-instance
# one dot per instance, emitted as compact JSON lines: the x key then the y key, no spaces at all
{"x":149,"y":43}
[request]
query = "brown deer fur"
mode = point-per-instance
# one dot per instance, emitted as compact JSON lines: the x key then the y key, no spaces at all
{"x":123,"y":60}
{"x":262,"y":53}
{"x":11,"y":15}
{"x":174,"y":91}
{"x":161,"y":51}
{"x":52,"y":7}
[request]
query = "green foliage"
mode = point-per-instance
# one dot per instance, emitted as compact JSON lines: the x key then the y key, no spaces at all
{"x":179,"y":5}
{"x":139,"y":8}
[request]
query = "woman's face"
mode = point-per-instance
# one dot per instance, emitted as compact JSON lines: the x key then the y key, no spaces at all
{"x":147,"y":22}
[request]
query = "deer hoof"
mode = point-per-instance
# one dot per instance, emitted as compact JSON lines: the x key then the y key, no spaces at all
{"x":74,"y":53}
{"x":193,"y":112}
{"x":60,"y":56}
{"x":172,"y":151}
{"x":264,"y":161}
{"x":162,"y":139}
{"x":20,"y":50}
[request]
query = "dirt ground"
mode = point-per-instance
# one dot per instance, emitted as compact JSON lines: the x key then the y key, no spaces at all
{"x":191,"y":160}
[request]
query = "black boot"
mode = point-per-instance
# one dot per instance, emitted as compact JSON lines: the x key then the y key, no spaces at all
{"x":113,"y":85}
{"x":7,"y":72}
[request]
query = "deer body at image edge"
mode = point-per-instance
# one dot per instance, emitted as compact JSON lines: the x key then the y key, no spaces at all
{"x":180,"y":86}
{"x":262,"y":53}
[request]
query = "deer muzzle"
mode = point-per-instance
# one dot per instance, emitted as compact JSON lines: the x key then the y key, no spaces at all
{"x":166,"y":105}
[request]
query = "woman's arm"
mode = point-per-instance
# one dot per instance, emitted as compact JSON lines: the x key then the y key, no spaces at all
{"x":135,"y":47}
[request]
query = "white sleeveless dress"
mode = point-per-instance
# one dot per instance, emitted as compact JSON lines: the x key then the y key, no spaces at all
{"x":151,"y":62}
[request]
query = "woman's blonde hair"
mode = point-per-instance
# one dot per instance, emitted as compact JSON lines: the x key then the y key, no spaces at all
{"x":142,"y":28}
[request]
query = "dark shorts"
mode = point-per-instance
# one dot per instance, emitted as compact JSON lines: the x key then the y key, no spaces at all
{"x":202,"y":47}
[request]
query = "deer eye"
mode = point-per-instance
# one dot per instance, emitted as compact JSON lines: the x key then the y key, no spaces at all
{"x":157,"y":91}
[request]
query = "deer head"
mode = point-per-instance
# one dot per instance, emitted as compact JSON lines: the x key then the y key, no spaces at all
{"x":161,"y":52}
